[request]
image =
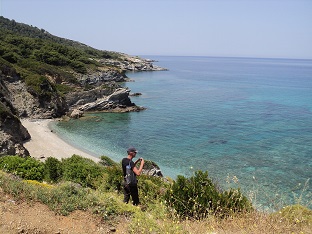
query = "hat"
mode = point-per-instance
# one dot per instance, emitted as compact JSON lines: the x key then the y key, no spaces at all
{"x":132,"y":149}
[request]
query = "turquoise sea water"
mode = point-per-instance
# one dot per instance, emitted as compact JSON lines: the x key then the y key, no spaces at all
{"x":243,"y":118}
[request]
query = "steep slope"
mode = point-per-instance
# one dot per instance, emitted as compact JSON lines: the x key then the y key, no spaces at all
{"x":44,"y":76}
{"x":12,"y":132}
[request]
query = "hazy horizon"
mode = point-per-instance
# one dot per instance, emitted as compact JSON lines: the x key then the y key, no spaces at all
{"x":224,"y":28}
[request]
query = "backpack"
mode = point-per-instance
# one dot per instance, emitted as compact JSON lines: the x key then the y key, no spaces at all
{"x":130,"y":178}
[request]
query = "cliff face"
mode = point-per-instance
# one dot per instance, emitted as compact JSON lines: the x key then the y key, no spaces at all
{"x":27,"y":103}
{"x":18,"y":100}
{"x":44,"y":76}
{"x":12,"y":132}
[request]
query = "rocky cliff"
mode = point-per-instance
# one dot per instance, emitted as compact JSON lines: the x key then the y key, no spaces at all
{"x":44,"y":76}
{"x":12,"y":132}
{"x":17,"y":100}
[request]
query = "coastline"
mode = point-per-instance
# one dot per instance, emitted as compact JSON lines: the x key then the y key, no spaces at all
{"x":45,"y":143}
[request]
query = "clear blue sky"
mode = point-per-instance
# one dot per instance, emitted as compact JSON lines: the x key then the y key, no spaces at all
{"x":243,"y":28}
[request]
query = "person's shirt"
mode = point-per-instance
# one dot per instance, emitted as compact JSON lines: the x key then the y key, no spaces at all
{"x":124,"y":163}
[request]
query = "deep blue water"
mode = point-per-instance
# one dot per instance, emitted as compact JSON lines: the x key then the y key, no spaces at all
{"x":242,"y":118}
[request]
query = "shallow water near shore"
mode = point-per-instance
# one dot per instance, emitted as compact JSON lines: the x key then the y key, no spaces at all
{"x":238,"y":118}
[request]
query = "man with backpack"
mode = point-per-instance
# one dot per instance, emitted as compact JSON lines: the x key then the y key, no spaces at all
{"x":130,"y":171}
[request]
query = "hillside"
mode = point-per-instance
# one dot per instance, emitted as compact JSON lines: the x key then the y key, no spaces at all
{"x":23,"y":217}
{"x":32,"y":207}
{"x":44,"y":76}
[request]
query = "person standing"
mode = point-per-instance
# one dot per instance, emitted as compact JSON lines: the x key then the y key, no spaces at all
{"x":132,"y":189}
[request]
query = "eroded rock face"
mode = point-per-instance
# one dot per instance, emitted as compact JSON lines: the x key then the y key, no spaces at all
{"x":102,"y":77}
{"x":152,"y":169}
{"x":118,"y":101}
{"x":8,"y":146}
{"x":81,"y":97}
{"x":27,"y":103}
{"x":12,"y":132}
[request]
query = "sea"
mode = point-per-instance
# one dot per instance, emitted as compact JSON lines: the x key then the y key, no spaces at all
{"x":247,"y":121}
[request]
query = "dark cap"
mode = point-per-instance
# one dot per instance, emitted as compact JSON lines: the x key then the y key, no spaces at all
{"x":132,"y":149}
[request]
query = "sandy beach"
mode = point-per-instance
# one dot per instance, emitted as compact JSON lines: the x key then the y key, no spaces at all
{"x":44,"y":143}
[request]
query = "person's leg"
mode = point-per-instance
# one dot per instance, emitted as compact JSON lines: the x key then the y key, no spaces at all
{"x":135,"y":195}
{"x":127,"y":193}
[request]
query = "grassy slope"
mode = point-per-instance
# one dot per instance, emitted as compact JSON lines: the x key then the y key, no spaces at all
{"x":102,"y":211}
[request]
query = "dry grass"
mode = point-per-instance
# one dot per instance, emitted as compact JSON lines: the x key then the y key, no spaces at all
{"x":256,"y":223}
{"x":125,"y":218}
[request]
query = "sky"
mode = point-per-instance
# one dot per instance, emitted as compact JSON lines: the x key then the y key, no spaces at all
{"x":225,"y":28}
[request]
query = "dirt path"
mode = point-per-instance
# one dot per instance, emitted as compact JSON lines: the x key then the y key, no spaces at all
{"x":34,"y":218}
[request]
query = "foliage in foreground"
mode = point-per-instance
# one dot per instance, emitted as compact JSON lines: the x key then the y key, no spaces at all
{"x":66,"y":197}
{"x":167,"y":206}
{"x":198,"y":197}
{"x":81,"y":170}
{"x":195,"y":197}
{"x":26,"y":168}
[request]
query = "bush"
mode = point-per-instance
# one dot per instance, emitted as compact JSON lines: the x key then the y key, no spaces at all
{"x":35,"y":83}
{"x":53,"y":170}
{"x":67,"y":197}
{"x":26,"y":168}
{"x":81,"y":170}
{"x":106,"y":161}
{"x":197,"y":197}
{"x":151,"y":189}
{"x":78,"y":67}
{"x":10,"y":57}
{"x":112,"y":179}
{"x":233,"y":201}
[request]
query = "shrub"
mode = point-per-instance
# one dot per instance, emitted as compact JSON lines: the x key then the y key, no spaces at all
{"x":233,"y":201}
{"x":10,"y":57}
{"x":53,"y":170}
{"x":78,"y":67}
{"x":198,"y":196}
{"x":35,"y":83}
{"x":26,"y":168}
{"x":106,"y":161}
{"x":63,"y":89}
{"x":112,"y":179}
{"x":81,"y":170}
{"x":67,"y":197}
{"x":151,"y":189}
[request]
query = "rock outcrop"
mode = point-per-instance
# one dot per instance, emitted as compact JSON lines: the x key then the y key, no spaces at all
{"x":17,"y":100}
{"x":27,"y":102}
{"x":53,"y":77}
{"x":118,"y":101}
{"x":152,"y":169}
{"x":12,"y":132}
{"x":129,"y":63}
{"x":102,"y":77}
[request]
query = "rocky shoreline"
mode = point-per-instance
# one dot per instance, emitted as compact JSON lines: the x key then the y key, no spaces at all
{"x":104,"y":94}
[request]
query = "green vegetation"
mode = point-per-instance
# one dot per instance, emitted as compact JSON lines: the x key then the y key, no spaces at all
{"x":81,"y":170}
{"x":187,"y":205}
{"x":35,"y":55}
{"x":53,"y":170}
{"x":197,"y":197}
{"x":26,"y":168}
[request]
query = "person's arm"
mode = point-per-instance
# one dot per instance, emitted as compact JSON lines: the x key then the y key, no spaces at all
{"x":139,"y":159}
{"x":135,"y":169}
